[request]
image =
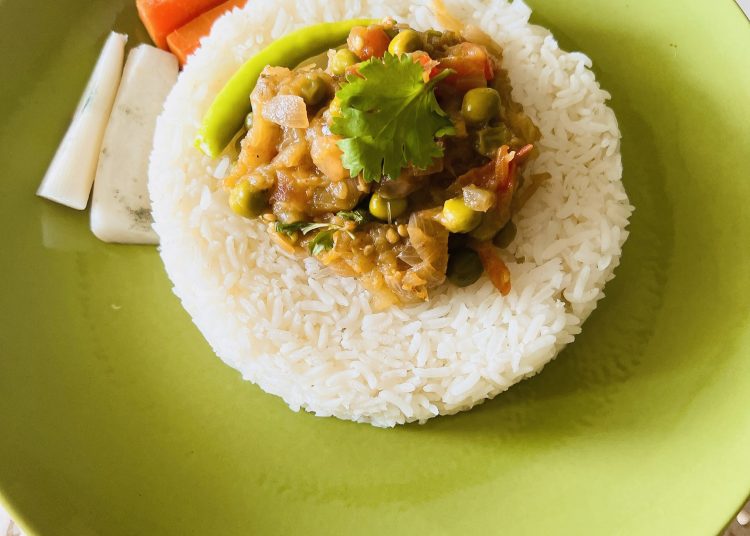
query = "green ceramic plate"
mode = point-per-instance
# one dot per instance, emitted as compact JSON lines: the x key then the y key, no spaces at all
{"x":117,"y":419}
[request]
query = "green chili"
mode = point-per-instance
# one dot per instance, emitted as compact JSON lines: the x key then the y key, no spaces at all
{"x":230,"y":107}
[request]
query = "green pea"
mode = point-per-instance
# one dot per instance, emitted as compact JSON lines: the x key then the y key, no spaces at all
{"x":505,"y":236}
{"x":405,"y":41}
{"x":458,"y":218}
{"x":480,"y":105}
{"x":245,"y":201}
{"x":386,"y":209}
{"x":341,"y":61}
{"x":313,"y":90}
{"x":464,"y":267}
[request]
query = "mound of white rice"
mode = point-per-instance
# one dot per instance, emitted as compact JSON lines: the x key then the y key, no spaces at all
{"x":313,"y":338}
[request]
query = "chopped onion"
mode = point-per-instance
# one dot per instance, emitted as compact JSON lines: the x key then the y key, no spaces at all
{"x":475,"y":34}
{"x":430,"y":241}
{"x":478,"y":198}
{"x":445,"y":18}
{"x":410,"y":256}
{"x":287,"y":111}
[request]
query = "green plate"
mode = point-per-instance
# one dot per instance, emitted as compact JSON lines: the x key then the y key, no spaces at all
{"x":117,"y":419}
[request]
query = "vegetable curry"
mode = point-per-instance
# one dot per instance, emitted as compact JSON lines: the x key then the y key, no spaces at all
{"x":396,"y":158}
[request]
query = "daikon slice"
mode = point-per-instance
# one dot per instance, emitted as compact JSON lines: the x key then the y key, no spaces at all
{"x":120,"y":206}
{"x":70,"y":175}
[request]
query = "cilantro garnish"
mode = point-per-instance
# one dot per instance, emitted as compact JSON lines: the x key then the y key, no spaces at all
{"x":358,"y":216}
{"x":389,"y":118}
{"x":323,"y":240}
{"x":290,"y":228}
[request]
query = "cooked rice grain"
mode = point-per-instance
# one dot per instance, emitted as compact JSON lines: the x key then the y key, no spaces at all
{"x":313,"y":338}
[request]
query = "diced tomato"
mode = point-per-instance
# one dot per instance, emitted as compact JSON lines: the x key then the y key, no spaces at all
{"x":368,"y":42}
{"x":421,"y":57}
{"x":354,"y":69}
{"x":504,"y":175}
{"x":430,"y":66}
{"x":517,"y":161}
{"x":471,"y":64}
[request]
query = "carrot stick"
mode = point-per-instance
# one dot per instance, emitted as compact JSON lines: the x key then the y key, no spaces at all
{"x":496,"y":269}
{"x":162,"y":17}
{"x":185,"y":39}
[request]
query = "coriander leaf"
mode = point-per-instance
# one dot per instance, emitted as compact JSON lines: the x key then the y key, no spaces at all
{"x":389,"y":118}
{"x":358,"y":216}
{"x":312,"y":226}
{"x":302,"y":226}
{"x":322,"y":242}
{"x":290,"y":228}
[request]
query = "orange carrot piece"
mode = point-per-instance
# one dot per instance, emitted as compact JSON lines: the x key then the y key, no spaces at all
{"x":184,"y":40}
{"x":162,"y":17}
{"x":494,"y":266}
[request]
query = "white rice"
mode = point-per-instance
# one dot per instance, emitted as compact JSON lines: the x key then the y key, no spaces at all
{"x":313,"y":338}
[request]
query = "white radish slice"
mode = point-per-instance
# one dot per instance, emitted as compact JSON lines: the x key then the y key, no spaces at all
{"x":120,"y":206}
{"x":70,"y":175}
